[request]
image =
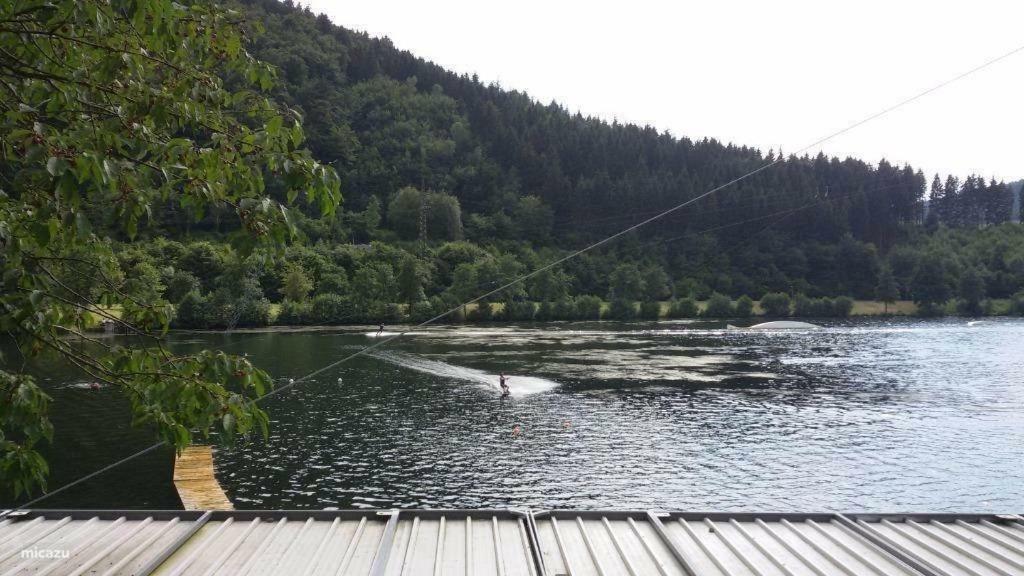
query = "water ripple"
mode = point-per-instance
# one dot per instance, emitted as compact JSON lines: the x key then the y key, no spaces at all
{"x":863,"y":415}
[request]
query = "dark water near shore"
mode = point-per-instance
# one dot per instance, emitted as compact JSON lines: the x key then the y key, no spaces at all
{"x":866,"y":415}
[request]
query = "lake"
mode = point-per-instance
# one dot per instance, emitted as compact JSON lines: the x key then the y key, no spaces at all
{"x":862,"y":415}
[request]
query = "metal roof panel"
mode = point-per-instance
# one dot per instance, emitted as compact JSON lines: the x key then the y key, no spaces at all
{"x":953,"y":546}
{"x":508,"y":543}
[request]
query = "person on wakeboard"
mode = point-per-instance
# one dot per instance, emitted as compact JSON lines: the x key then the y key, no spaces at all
{"x":380,"y":329}
{"x":503,"y":382}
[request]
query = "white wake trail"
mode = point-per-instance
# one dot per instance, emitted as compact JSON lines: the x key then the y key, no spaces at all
{"x":519,"y":385}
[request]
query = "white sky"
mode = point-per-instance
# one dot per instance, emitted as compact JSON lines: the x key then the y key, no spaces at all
{"x":770,"y":74}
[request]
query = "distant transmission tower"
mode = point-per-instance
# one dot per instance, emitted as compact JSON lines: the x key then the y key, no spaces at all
{"x":423,"y":217}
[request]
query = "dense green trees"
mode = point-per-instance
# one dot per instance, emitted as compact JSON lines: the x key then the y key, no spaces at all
{"x":718,"y":306}
{"x":822,"y":307}
{"x":588,"y":308}
{"x":683,"y":308}
{"x":431,"y":215}
{"x":842,"y":306}
{"x":115,"y":115}
{"x":412,"y":275}
{"x":296,"y":285}
{"x":887,"y":291}
{"x":930,"y":286}
{"x":522,"y":170}
{"x":972,"y":202}
{"x":971,"y":292}
{"x":626,"y":283}
{"x":429,"y":154}
{"x":976,"y":266}
{"x":776,"y":304}
{"x":744,"y":307}
{"x":149,"y":164}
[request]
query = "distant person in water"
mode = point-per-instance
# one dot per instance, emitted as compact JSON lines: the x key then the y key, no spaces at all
{"x":503,"y":382}
{"x":380,"y":329}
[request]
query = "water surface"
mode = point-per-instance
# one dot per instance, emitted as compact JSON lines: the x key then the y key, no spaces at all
{"x":865,"y":415}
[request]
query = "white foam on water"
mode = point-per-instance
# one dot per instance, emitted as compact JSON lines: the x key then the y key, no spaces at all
{"x":519,"y":385}
{"x":85,"y":385}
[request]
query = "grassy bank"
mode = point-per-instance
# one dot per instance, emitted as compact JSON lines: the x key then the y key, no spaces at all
{"x":472,"y":312}
{"x":875,"y":308}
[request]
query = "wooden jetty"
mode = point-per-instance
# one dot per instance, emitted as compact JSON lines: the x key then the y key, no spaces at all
{"x":196,"y":483}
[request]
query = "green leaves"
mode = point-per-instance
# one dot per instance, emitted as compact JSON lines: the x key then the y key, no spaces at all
{"x":182,"y":395}
{"x":23,"y":411}
{"x":21,"y":469}
{"x":44,"y":232}
{"x":82,"y":226}
{"x":122,"y":106}
{"x":274,"y":126}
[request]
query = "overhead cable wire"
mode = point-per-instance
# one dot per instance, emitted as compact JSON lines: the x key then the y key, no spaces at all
{"x":384,"y":341}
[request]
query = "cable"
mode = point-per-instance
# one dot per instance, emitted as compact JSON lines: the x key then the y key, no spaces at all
{"x":5,"y":513}
{"x":606,"y":221}
{"x":546,"y":267}
{"x":788,"y":211}
{"x":782,"y":215}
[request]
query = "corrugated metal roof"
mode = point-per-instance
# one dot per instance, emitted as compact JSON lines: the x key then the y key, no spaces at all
{"x":370,"y":542}
{"x":951,"y":545}
{"x":778,"y":546}
{"x":255,"y":543}
{"x":508,"y":543}
{"x":718,"y":544}
{"x":580,"y":543}
{"x":428,"y":543}
{"x":87,"y":543}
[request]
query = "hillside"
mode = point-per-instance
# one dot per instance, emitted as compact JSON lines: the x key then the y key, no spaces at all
{"x":1017,"y":187}
{"x":388,"y":119}
{"x":442,"y":172}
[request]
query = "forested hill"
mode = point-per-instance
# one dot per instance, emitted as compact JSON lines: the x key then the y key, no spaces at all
{"x":1015,"y":189}
{"x":389,"y":119}
{"x":460,"y":186}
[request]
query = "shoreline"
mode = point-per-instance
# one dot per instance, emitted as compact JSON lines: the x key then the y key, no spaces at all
{"x":400,"y":326}
{"x":1001,"y":308}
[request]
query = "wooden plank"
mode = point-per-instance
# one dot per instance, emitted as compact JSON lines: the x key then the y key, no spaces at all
{"x":196,"y":483}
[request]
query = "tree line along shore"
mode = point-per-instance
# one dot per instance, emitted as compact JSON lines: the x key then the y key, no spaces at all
{"x":210,"y":285}
{"x":593,"y":309}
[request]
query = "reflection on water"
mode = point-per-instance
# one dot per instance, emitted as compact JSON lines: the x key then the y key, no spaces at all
{"x":863,"y":415}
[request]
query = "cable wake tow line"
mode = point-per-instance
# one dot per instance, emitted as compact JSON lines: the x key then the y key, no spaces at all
{"x":660,"y":215}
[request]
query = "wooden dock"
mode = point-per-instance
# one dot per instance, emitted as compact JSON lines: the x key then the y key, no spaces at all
{"x":196,"y":483}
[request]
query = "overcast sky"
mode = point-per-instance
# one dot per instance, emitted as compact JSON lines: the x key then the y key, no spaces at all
{"x":767,"y":74}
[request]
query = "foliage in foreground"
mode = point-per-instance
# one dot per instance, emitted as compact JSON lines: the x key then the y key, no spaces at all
{"x":109,"y":110}
{"x":146,"y":158}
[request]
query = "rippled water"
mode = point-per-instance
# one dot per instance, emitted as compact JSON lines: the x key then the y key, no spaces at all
{"x":861,"y":416}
